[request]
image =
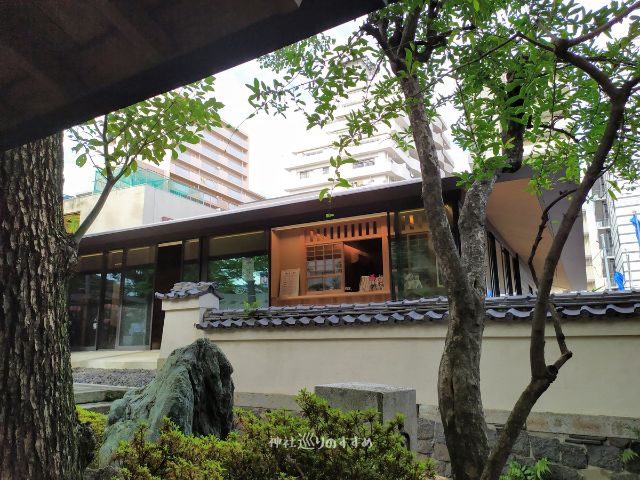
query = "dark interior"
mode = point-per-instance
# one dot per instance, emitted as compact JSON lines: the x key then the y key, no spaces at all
{"x":167,"y":275}
{"x":361,"y":258}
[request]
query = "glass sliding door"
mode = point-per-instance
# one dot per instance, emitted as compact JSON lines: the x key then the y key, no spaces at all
{"x":84,"y":308}
{"x":137,"y":298}
{"x":85,"y":289}
{"x":108,"y":326}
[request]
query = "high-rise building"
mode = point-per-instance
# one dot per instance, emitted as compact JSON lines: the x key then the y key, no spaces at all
{"x":378,"y":159}
{"x":217,"y":166}
{"x":613,"y":245}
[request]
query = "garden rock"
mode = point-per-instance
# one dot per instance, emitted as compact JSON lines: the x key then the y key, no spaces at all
{"x":86,"y":444}
{"x":107,"y":473}
{"x":193,"y":388}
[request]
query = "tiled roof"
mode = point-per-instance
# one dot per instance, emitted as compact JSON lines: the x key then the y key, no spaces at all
{"x":514,"y":308}
{"x":183,"y":290}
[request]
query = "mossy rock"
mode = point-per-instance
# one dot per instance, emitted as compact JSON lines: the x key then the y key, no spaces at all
{"x":193,"y":388}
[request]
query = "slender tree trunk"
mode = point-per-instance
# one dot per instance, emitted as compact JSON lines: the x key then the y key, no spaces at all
{"x":459,"y":374}
{"x":459,"y":392}
{"x":37,"y":419}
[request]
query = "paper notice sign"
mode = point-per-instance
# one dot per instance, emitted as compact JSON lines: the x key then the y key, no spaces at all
{"x":290,"y":282}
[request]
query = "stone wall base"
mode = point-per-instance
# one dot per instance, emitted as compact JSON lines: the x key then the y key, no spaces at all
{"x":572,"y":456}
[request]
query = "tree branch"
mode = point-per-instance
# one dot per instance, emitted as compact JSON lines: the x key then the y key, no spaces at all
{"x":604,"y":27}
{"x":95,"y":211}
{"x":565,"y":132}
{"x":557,"y":324}
{"x":410,"y":28}
{"x":601,"y":78}
{"x":543,"y":223}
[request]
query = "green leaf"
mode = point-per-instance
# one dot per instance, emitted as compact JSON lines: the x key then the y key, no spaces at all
{"x":628,"y":455}
{"x":343,"y":182}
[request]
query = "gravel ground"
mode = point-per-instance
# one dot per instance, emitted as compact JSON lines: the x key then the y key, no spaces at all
{"x":107,"y":376}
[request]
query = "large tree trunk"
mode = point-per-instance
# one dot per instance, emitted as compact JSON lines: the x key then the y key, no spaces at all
{"x":37,"y":419}
{"x":459,"y":375}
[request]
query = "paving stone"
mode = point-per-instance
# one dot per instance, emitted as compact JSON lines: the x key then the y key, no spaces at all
{"x":619,"y":442}
{"x":439,"y":433}
{"x":388,"y":400}
{"x":574,"y":456}
{"x":426,"y":429}
{"x":441,"y":453}
{"x":586,"y":439}
{"x":492,"y":437}
{"x":522,"y":445}
{"x":625,"y":476}
{"x":525,"y":461}
{"x":559,"y":472}
{"x":425,"y":447}
{"x":545,"y":447}
{"x":444,"y":469}
{"x":605,"y":456}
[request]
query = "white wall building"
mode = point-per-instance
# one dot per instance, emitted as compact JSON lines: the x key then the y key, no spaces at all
{"x":132,"y":207}
{"x":612,"y":239}
{"x":379,"y":159}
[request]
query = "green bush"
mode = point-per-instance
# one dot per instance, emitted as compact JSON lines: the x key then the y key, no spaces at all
{"x":320,"y":443}
{"x":97,"y":422}
{"x":522,"y":472}
{"x":629,"y":454}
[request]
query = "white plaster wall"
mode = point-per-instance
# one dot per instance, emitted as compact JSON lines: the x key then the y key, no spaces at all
{"x":158,"y":204}
{"x":133,"y":207}
{"x":123,"y":209}
{"x":599,"y":380}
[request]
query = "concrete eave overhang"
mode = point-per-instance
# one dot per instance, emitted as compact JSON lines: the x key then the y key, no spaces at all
{"x":275,"y":212}
{"x":66,"y":62}
{"x":515,"y":214}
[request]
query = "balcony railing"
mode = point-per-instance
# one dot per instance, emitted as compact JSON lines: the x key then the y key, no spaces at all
{"x":155,"y":180}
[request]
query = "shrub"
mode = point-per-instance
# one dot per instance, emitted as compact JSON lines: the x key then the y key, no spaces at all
{"x":516,"y":471}
{"x":629,"y":454}
{"x":97,"y":422}
{"x":320,"y":443}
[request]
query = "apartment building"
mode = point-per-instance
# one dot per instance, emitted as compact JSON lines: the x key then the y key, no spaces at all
{"x":378,"y":159}
{"x":217,"y":166}
{"x":613,"y":245}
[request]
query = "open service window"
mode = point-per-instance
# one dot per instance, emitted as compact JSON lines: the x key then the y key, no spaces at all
{"x":335,"y":261}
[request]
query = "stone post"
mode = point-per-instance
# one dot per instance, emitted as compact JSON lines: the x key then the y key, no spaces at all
{"x":182,"y":313}
{"x":386,"y":399}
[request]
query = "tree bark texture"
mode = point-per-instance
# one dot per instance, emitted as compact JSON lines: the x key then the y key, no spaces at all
{"x":37,"y":418}
{"x":459,"y":374}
